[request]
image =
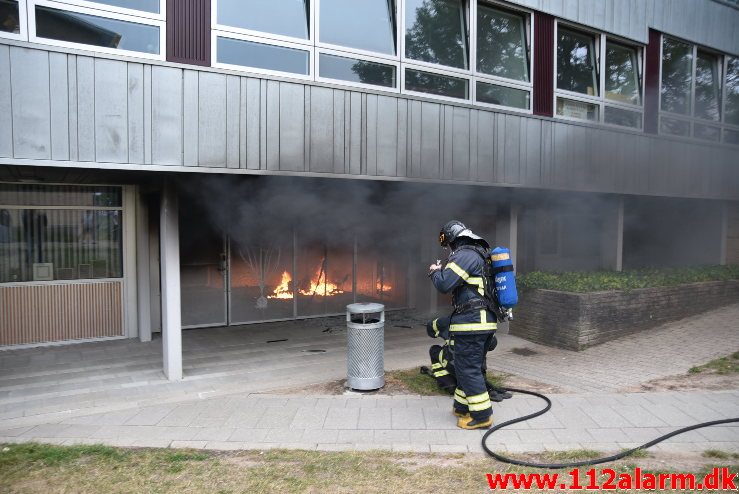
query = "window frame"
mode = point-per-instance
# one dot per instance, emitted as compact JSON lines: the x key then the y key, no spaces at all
{"x":497,"y":80}
{"x":223,"y":28}
{"x":690,"y":119}
{"x":161,"y":16}
{"x":263,"y":41}
{"x":601,"y":41}
{"x":69,"y":7}
{"x":344,"y":54}
{"x":22,"y":24}
{"x":433,"y":70}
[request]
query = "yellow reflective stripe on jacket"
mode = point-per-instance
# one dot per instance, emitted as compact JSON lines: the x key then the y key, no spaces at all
{"x":458,"y":271}
{"x":478,"y":407}
{"x":436,"y":366}
{"x":474,"y":280}
{"x":483,"y":325}
{"x":441,"y":373}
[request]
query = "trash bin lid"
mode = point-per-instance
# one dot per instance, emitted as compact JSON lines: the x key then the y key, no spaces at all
{"x":365,"y":308}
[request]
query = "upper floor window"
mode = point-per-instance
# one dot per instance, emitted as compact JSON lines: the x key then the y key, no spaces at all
{"x":698,"y":95}
{"x":10,"y":19}
{"x":436,"y":32}
{"x":598,"y":78}
{"x":277,"y":17}
{"x":367,"y":25}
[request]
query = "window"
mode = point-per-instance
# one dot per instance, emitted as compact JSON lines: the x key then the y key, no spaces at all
{"x":599,"y":79}
{"x":356,"y":71}
{"x":11,"y":19}
{"x":60,"y":233}
{"x":132,"y":26}
{"x":699,"y":92}
{"x":367,"y":25}
{"x":278,"y":17}
{"x":502,"y":58}
{"x":263,"y":56}
{"x":436,"y":32}
{"x":438,"y":84}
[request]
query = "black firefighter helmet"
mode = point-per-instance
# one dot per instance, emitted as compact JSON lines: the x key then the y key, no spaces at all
{"x":454,"y":229}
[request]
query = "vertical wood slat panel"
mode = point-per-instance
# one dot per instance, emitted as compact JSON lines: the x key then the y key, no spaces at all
{"x":45,"y":313}
{"x":543,"y":64}
{"x":651,"y":83}
{"x":188,"y":31}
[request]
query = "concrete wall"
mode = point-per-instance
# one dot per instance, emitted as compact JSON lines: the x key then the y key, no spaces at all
{"x":578,"y":320}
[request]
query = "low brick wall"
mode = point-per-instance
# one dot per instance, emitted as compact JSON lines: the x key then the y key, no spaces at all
{"x":580,"y":320}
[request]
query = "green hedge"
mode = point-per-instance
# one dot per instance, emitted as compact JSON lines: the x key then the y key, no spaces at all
{"x":597,"y":281}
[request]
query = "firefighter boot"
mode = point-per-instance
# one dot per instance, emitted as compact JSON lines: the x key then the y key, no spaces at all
{"x":459,"y":413}
{"x":470,"y":423}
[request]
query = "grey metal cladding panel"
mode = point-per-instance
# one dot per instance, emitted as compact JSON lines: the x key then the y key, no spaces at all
{"x":485,"y":146}
{"x":292,"y":126}
{"x":531,"y":153}
{"x":355,"y":134}
{"x":339,"y":117}
{"x":430,"y":140}
{"x":500,"y":147}
{"x":190,"y":119}
{"x":233,"y":111}
{"x":371,"y":135}
{"x":135,"y":113}
{"x":59,"y":100}
{"x":111,"y":111}
{"x":31,"y":106}
{"x":212,"y":131}
{"x":147,"y":114}
{"x":387,"y":136}
{"x":322,"y":130}
{"x":72,"y":81}
{"x":86,"y":108}
{"x":474,"y":118}
{"x":402,"y":151}
{"x":251,"y":122}
{"x":513,"y":136}
{"x":6,"y":116}
{"x":446,"y":144}
{"x":166,"y":116}
{"x":704,"y":22}
{"x":461,"y":144}
{"x":272,"y":138}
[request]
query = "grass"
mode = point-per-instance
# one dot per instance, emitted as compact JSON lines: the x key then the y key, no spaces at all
{"x":572,"y":455}
{"x":723,"y":365}
{"x":424,"y":385}
{"x":721,"y":455}
{"x":581,"y":282}
{"x":36,"y":468}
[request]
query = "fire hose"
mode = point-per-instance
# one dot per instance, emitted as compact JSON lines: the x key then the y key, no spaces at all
{"x":594,"y":461}
{"x":582,"y":463}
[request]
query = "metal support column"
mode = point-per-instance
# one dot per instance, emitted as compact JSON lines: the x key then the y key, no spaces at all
{"x":170,"y":265}
{"x":143,"y":290}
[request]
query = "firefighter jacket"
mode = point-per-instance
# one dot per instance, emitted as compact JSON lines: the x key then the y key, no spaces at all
{"x":462,"y":275}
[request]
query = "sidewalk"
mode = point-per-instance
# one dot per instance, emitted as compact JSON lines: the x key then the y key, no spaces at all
{"x":603,"y":422}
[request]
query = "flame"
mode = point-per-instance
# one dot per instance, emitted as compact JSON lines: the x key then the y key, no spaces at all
{"x":383,"y":287}
{"x":283,"y":289}
{"x":325,"y":289}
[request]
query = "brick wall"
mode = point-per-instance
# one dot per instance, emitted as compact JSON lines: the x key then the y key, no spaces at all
{"x":580,"y":320}
{"x":732,"y":233}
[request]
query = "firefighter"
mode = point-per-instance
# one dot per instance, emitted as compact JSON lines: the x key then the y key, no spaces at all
{"x":471,"y":326}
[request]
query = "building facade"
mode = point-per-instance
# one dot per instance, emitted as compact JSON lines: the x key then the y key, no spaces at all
{"x":195,"y":163}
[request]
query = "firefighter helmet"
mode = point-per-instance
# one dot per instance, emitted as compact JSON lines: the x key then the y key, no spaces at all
{"x":455,"y":229}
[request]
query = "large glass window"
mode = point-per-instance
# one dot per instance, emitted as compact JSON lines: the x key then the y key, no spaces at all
{"x":576,"y":62}
{"x":436,"y":32}
{"x":60,"y":233}
{"x":438,"y":84}
{"x":78,"y":27}
{"x":151,"y":6}
{"x":9,"y":17}
{"x":263,"y":56}
{"x":281,"y":17}
{"x":707,"y":88}
{"x":502,"y":96}
{"x":622,"y":74}
{"x":502,"y":47}
{"x":362,"y":24}
{"x":357,"y":71}
{"x":732,"y":91}
{"x":677,"y":75}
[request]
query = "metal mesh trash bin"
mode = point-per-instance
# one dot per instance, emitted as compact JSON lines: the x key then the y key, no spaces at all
{"x":365,"y":359}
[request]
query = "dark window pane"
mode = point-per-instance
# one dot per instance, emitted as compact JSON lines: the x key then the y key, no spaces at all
{"x":731,"y":137}
{"x":97,"y":31}
{"x":501,"y":44}
{"x":353,"y":70}
{"x":677,"y":72}
{"x":59,"y":195}
{"x":59,"y":244}
{"x":504,"y":96}
{"x":443,"y":85}
{"x":706,"y":132}
{"x":362,"y":24}
{"x":435,"y":32}
{"x":622,"y":77}
{"x":576,"y":67}
{"x":707,"y":87}
{"x":261,"y":56}
{"x":732,"y":91}
{"x":577,"y":109}
{"x":671,"y":126}
{"x":283,"y":17}
{"x":9,"y":19}
{"x":145,"y":5}
{"x":625,"y":118}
